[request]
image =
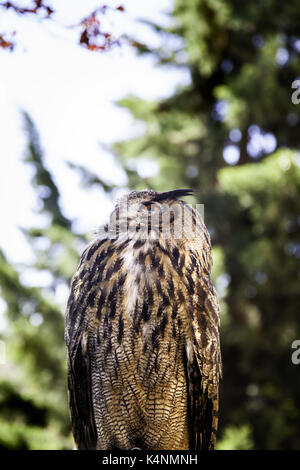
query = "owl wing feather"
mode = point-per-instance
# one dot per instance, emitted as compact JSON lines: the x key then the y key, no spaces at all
{"x":80,"y":399}
{"x":204,"y":365}
{"x":81,"y":301}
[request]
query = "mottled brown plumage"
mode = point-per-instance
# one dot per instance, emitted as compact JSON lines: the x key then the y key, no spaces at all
{"x":142,"y":332}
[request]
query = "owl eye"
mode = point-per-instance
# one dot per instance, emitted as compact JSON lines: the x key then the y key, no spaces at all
{"x":149,"y":206}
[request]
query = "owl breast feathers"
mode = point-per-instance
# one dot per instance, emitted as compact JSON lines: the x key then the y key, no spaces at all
{"x":142,"y":330}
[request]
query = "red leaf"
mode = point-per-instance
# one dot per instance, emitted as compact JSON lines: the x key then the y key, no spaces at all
{"x":6,"y":44}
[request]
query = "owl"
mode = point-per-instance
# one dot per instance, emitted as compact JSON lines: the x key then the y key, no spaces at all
{"x":142,"y":330}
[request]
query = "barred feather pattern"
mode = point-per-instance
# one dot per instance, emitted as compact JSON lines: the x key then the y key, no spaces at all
{"x":142,"y":335}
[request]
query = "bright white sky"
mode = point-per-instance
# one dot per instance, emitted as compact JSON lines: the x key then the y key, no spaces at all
{"x":70,"y":94}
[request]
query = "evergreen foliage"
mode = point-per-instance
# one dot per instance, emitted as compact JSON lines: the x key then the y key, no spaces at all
{"x":233,"y":136}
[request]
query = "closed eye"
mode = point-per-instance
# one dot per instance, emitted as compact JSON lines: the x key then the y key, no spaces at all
{"x":149,"y":206}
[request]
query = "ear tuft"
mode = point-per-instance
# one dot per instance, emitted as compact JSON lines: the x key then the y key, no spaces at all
{"x":174,"y":194}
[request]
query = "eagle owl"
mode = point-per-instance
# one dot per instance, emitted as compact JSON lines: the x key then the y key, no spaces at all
{"x":142,"y":330}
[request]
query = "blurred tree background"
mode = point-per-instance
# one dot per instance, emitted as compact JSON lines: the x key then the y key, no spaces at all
{"x":233,"y":136}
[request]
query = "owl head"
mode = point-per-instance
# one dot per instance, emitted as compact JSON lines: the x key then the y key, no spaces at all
{"x":151,"y":215}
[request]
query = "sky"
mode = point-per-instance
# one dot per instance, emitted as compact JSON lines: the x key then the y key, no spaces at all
{"x":70,"y":93}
